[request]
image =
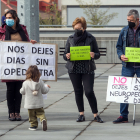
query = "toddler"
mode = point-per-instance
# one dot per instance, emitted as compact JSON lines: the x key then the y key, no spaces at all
{"x":33,"y":88}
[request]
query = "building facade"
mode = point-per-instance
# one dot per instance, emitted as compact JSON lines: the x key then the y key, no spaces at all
{"x":71,"y":10}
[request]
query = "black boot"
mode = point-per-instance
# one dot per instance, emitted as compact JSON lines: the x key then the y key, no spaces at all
{"x":81,"y":118}
{"x":98,"y":119}
{"x":18,"y":117}
{"x":12,"y":117}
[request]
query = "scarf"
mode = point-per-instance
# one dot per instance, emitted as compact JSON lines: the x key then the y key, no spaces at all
{"x":10,"y":30}
{"x":82,"y":38}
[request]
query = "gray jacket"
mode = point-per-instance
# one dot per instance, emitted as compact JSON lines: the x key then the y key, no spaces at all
{"x":33,"y":101}
{"x":89,"y":64}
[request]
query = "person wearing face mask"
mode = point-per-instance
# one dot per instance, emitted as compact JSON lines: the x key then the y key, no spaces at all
{"x":13,"y":31}
{"x":81,"y":73}
{"x":129,"y":37}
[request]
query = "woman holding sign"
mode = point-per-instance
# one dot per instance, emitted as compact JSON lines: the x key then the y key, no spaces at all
{"x":13,"y":31}
{"x":82,"y":70}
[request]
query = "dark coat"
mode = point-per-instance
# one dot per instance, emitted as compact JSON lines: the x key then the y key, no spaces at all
{"x":89,"y":64}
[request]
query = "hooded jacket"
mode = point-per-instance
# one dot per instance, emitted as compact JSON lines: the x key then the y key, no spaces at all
{"x":33,"y":101}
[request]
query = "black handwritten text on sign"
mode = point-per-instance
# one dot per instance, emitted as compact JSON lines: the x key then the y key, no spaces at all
{"x":18,"y":56}
{"x":80,"y":53}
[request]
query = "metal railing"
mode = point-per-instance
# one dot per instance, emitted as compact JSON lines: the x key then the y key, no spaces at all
{"x":87,"y":26}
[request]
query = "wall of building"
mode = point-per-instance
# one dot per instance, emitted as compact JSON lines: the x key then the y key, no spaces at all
{"x":104,"y":2}
{"x":121,"y":19}
{"x":71,"y":10}
{"x":59,"y":4}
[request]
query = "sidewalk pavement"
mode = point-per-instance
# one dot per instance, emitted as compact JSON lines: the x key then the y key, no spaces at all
{"x":61,"y":112}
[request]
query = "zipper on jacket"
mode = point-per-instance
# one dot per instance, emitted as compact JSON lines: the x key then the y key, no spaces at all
{"x":89,"y":65}
{"x":134,"y":38}
{"x":134,"y":42}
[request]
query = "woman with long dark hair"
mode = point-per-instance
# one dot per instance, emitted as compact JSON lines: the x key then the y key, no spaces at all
{"x":81,"y":73}
{"x":14,"y":31}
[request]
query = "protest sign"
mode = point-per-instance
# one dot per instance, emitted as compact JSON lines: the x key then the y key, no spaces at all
{"x":133,"y":54}
{"x":80,"y":53}
{"x":123,"y":90}
{"x":135,"y":91}
{"x":16,"y":57}
{"x":116,"y":85}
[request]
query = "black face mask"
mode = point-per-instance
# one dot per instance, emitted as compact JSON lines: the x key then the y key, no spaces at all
{"x":131,"y":24}
{"x":78,"y":32}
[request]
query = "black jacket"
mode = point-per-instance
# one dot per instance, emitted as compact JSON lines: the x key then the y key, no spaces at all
{"x":89,"y":64}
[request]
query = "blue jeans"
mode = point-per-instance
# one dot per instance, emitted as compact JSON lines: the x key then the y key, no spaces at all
{"x":128,"y":71}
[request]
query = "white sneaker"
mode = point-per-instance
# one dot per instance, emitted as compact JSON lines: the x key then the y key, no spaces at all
{"x":44,"y":125}
{"x":32,"y":128}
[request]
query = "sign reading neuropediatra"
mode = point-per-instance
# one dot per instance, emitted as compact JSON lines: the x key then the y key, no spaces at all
{"x":16,"y":57}
{"x":80,"y":53}
{"x":133,"y":54}
{"x":123,"y":90}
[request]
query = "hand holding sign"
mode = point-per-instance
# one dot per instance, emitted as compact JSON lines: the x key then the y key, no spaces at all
{"x":33,"y":41}
{"x":92,"y":54}
{"x":68,"y":55}
{"x":123,"y":58}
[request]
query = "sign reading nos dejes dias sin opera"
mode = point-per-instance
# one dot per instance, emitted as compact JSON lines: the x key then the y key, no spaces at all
{"x":123,"y":90}
{"x":16,"y":57}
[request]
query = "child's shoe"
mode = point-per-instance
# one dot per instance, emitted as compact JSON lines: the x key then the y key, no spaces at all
{"x":33,"y":128}
{"x":44,"y":125}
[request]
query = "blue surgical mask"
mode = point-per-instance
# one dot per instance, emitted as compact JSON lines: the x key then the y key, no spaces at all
{"x":10,"y":22}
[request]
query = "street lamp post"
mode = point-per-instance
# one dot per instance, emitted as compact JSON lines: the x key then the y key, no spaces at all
{"x":28,"y":12}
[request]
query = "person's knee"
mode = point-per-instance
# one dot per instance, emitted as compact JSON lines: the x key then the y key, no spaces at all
{"x":89,"y":93}
{"x":78,"y":91}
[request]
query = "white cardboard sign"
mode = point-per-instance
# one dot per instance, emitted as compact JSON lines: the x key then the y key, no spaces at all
{"x":16,"y":57}
{"x":123,"y":90}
